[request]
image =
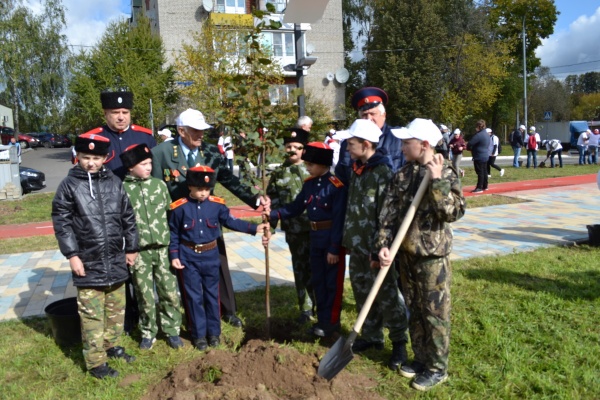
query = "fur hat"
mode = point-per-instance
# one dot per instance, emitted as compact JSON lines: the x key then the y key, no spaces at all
{"x":135,"y":154}
{"x":296,"y":135}
{"x":113,"y":100}
{"x":201,"y":176}
{"x":318,"y":153}
{"x":91,"y":143}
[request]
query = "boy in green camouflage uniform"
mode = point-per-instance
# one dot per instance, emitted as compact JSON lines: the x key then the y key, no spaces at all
{"x":150,"y":199}
{"x":95,"y":228}
{"x":423,"y":258}
{"x":370,"y":174}
{"x":285,"y":183}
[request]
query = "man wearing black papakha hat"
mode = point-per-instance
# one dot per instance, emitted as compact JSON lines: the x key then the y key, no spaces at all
{"x":370,"y":103}
{"x":119,"y":130}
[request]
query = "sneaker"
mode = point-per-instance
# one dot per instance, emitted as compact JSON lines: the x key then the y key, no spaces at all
{"x":321,"y":331}
{"x":489,"y":176}
{"x":119,"y":352}
{"x":175,"y":342}
{"x":232,"y":320}
{"x":103,"y":371}
{"x":411,"y":369}
{"x":200,"y":344}
{"x":502,"y":172}
{"x":147,"y":343}
{"x":361,"y":345}
{"x":213,"y":341}
{"x":428,"y":379}
{"x":477,"y":190}
{"x":399,"y":355}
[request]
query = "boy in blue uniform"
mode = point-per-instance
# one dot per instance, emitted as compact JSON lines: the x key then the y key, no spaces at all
{"x":195,"y":224}
{"x":323,"y":196}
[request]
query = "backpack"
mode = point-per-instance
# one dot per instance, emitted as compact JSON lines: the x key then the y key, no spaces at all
{"x":531,"y":142}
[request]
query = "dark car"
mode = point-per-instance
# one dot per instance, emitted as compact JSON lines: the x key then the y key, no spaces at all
{"x":51,"y":140}
{"x":31,"y":179}
{"x":26,"y":140}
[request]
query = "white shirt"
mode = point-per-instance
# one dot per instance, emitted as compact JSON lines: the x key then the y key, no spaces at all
{"x":593,"y":141}
{"x":225,"y":142}
{"x":582,"y":140}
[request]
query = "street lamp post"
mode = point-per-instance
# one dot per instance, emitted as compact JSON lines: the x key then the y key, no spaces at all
{"x":524,"y":74}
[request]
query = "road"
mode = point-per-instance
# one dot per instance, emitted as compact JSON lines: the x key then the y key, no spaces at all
{"x":54,"y":163}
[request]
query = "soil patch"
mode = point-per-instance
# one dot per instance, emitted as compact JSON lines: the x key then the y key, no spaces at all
{"x":261,"y":370}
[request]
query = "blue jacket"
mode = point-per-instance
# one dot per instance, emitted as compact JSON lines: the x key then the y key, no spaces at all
{"x":324,"y":199}
{"x":390,"y":145}
{"x":479,"y":146}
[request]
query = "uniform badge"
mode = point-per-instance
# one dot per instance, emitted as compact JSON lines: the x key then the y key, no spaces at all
{"x":293,"y":134}
{"x":120,"y":100}
{"x":91,"y":146}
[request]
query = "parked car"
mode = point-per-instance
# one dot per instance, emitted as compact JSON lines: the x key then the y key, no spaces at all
{"x":26,"y":140}
{"x":50,"y":140}
{"x":31,"y":179}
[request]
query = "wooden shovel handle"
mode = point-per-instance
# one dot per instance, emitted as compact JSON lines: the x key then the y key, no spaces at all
{"x":408,"y":218}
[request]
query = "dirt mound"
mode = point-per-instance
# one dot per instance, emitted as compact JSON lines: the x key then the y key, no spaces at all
{"x":261,"y":371}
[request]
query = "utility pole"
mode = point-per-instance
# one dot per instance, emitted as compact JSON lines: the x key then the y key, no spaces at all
{"x":524,"y":75}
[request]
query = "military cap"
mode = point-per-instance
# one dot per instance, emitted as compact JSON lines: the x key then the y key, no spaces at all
{"x":112,"y":100}
{"x":369,"y":97}
{"x":296,"y":135}
{"x":135,"y":154}
{"x":318,"y":153}
{"x":90,"y":143}
{"x":201,"y":176}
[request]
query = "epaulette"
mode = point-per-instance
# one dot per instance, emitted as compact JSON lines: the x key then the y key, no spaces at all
{"x":216,"y":199}
{"x":309,"y":178}
{"x":95,"y":131}
{"x":336,"y":182}
{"x":177,"y":203}
{"x":141,"y":129}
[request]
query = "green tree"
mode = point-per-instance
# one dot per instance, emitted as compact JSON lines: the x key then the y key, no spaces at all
{"x":549,"y":94}
{"x":33,"y":63}
{"x":126,"y":58}
{"x":587,"y":107}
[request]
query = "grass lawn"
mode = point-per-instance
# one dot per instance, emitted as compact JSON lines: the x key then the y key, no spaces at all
{"x":523,"y":326}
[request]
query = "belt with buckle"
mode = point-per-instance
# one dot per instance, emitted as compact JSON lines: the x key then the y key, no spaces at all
{"x":199,"y":248}
{"x":320,"y":225}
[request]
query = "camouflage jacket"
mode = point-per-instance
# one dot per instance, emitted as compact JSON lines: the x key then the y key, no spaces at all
{"x":285,"y":183}
{"x":365,"y":199}
{"x":150,"y":201}
{"x":430,"y":233}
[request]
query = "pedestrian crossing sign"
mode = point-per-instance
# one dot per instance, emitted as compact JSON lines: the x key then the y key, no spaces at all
{"x":547,"y":115}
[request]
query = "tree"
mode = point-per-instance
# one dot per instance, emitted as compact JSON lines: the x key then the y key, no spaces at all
{"x":126,"y":58}
{"x":587,"y":108}
{"x":549,"y":94}
{"x":33,"y":64}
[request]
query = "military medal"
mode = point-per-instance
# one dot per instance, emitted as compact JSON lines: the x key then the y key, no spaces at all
{"x":176,"y":175}
{"x":167,"y":175}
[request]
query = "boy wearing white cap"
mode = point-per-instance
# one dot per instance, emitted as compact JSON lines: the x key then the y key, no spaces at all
{"x":370,"y":175}
{"x":423,"y":259}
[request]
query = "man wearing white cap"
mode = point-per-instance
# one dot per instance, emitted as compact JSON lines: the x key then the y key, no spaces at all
{"x":171,"y":161}
{"x":442,"y":147}
{"x":165,"y":135}
{"x":516,"y":142}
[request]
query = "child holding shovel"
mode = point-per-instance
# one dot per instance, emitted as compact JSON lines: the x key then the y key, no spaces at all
{"x":423,"y":258}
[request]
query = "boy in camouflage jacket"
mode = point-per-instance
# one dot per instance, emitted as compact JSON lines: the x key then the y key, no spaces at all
{"x":370,"y":174}
{"x":150,"y":200}
{"x":285,"y":183}
{"x":423,"y":258}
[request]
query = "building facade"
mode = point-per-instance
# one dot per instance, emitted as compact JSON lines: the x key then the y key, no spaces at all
{"x":177,"y":20}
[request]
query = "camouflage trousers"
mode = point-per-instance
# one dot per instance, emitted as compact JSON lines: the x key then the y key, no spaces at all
{"x":102,"y":312}
{"x":426,"y":288}
{"x":388,"y":307}
{"x":299,"y":244}
{"x":152,"y":270}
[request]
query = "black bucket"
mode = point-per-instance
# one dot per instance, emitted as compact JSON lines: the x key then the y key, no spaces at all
{"x":594,"y":234}
{"x":64,"y":321}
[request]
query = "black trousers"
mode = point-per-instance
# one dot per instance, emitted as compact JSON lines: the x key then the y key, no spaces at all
{"x":482,"y":176}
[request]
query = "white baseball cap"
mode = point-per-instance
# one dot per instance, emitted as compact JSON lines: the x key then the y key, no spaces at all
{"x":488,"y":130}
{"x":522,"y":127}
{"x":457,"y":131}
{"x":165,"y":132}
{"x":193,"y":119}
{"x":532,"y":129}
{"x":365,"y":129}
{"x":443,"y":127}
{"x":422,"y":129}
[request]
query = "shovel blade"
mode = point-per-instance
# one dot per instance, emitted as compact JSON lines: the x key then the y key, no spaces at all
{"x":336,"y":359}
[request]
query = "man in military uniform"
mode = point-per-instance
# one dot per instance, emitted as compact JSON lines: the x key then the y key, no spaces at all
{"x":171,"y":161}
{"x":285,"y":183}
{"x":370,"y":103}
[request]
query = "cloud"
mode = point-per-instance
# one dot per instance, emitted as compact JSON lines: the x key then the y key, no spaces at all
{"x":577,"y":45}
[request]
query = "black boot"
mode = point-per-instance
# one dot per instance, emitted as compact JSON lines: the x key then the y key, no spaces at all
{"x":103,"y":371}
{"x":399,"y":355}
{"x":119,"y":352}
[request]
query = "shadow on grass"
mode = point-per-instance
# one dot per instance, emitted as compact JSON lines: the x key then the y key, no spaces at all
{"x":584,"y":285}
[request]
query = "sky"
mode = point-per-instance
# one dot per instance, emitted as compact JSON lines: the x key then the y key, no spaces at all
{"x":572,"y":49}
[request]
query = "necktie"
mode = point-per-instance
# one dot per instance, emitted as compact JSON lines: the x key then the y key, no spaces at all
{"x":191,"y":160}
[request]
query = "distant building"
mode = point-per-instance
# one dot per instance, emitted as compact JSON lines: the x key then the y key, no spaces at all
{"x":6,"y":117}
{"x":175,"y":20}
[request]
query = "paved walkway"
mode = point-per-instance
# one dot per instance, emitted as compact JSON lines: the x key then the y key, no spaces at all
{"x":550,"y":216}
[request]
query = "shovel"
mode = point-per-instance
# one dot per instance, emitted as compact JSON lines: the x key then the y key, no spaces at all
{"x":340,"y":353}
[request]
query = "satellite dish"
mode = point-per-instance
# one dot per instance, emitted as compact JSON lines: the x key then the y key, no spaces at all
{"x":208,"y":5}
{"x":330,"y":76}
{"x":310,"y":48}
{"x":342,"y":75}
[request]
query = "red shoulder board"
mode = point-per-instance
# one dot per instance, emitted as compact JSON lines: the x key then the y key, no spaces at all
{"x":141,"y":129}
{"x":95,"y":131}
{"x":177,"y":203}
{"x":216,"y":199}
{"x":309,"y":178}
{"x":336,"y":182}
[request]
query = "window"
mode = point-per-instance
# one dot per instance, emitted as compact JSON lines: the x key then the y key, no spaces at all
{"x":280,"y":5}
{"x":281,"y":94}
{"x":231,"y":6}
{"x":281,"y":43}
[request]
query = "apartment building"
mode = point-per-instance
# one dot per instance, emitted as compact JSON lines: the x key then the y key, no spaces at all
{"x":176,"y":20}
